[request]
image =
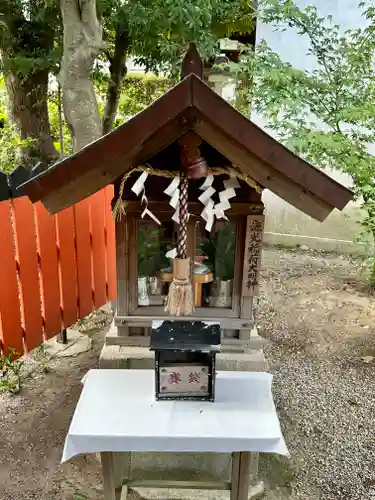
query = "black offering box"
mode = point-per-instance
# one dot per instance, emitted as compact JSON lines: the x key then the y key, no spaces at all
{"x":185,"y":353}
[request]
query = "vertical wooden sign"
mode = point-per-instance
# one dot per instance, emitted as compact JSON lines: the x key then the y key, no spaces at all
{"x":253,"y":253}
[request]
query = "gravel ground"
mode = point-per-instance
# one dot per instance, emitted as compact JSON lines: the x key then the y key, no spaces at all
{"x":321,"y":324}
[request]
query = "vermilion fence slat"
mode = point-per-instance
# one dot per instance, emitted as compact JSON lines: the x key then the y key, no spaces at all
{"x":67,"y":266}
{"x":84,"y":257}
{"x":76,"y":262}
{"x":26,"y":250}
{"x":49,"y":272}
{"x":98,"y":247}
{"x":10,"y":315}
{"x":110,"y":245}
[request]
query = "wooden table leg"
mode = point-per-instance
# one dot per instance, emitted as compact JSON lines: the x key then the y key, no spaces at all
{"x":108,"y":472}
{"x":122,"y":471}
{"x":234,"y":477}
{"x":240,"y":475}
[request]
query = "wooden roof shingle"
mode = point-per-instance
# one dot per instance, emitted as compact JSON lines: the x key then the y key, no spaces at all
{"x":190,"y":105}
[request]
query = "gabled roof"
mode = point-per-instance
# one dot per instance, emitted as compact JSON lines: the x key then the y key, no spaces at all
{"x":191,"y":104}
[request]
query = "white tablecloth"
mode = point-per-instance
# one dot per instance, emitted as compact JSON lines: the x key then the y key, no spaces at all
{"x":117,"y":411}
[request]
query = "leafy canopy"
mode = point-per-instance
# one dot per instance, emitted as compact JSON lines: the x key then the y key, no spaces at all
{"x":159,"y":30}
{"x":326,"y":115}
{"x":30,"y":35}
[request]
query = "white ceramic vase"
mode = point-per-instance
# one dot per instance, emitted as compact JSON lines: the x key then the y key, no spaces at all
{"x":221,"y":293}
{"x":143,"y":297}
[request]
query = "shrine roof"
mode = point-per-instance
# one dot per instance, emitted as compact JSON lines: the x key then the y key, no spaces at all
{"x":190,"y":105}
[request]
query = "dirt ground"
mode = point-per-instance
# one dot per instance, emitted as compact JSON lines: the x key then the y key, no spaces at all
{"x":320,"y":321}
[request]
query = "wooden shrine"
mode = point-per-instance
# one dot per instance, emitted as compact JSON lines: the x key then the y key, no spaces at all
{"x":225,"y":222}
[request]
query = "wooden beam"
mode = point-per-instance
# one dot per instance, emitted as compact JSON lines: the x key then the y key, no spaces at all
{"x":109,"y":489}
{"x":164,"y":136}
{"x":235,"y":476}
{"x":179,"y":485}
{"x":264,"y":174}
{"x":69,"y":193}
{"x":246,"y":312}
{"x":192,"y":63}
{"x":272,"y":165}
{"x":110,"y":152}
{"x":122,"y":468}
{"x":251,"y":137}
{"x":122,"y":263}
{"x":99,"y":177}
{"x":135,"y":207}
{"x":132,"y":265}
{"x":240,"y":475}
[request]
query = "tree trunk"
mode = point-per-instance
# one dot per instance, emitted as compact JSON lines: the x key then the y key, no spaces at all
{"x":28,"y":109}
{"x":82,"y":44}
{"x":117,"y":70}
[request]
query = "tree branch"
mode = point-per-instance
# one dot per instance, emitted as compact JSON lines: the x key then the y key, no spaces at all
{"x":90,"y":19}
{"x":117,"y":70}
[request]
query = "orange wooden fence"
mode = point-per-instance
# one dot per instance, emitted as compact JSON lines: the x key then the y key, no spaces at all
{"x":54,"y":269}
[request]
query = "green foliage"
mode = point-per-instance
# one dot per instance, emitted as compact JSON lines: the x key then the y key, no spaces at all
{"x":30,"y":35}
{"x":159,"y":30}
{"x":220,"y":250}
{"x":326,"y":115}
{"x":155,"y":31}
{"x":80,"y":496}
{"x":151,"y":251}
{"x":10,"y":368}
{"x":139,"y":92}
{"x":10,"y":147}
{"x":42,"y":358}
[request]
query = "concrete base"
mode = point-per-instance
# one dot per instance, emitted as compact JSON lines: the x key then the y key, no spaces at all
{"x":182,"y":464}
{"x":77,"y":344}
{"x":135,"y":358}
{"x":347,"y":247}
{"x":117,"y":337}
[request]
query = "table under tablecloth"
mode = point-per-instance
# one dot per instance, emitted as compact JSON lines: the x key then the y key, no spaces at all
{"x":117,"y":411}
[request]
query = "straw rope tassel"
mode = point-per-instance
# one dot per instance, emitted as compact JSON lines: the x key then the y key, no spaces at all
{"x":180,"y":297}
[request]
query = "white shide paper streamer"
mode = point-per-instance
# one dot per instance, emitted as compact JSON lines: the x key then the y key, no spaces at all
{"x":207,"y":213}
{"x":139,"y":184}
{"x":211,"y":210}
{"x":174,"y":192}
{"x":138,"y":188}
{"x":171,"y":254}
